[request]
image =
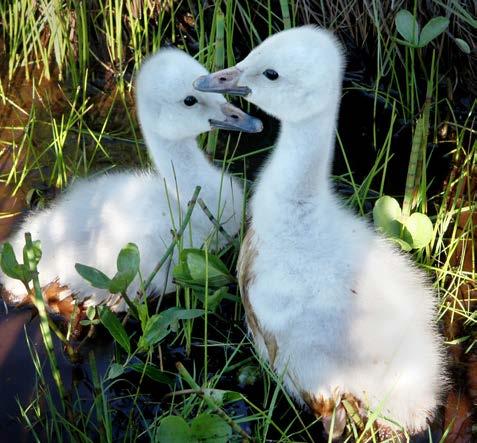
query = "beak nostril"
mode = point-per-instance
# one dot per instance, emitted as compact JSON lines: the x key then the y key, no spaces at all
{"x":223,"y":79}
{"x":235,"y":116}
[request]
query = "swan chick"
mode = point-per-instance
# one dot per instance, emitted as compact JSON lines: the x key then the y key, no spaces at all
{"x":95,"y":218}
{"x":330,"y":303}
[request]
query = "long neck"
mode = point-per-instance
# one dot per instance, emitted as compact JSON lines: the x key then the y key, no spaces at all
{"x":180,"y":163}
{"x":299,"y":168}
{"x":184,"y":166}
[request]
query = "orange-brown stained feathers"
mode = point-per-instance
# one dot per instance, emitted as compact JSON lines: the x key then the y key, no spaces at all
{"x":248,"y":253}
{"x":347,"y":405}
{"x":54,"y":296}
{"x":324,"y":408}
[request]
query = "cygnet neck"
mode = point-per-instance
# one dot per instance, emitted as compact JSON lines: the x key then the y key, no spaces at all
{"x":179,"y":162}
{"x":299,"y":168}
{"x":183,"y":166}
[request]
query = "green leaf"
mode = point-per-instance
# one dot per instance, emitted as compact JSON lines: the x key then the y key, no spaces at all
{"x":216,"y":271}
{"x":463,"y":45}
{"x":93,"y":275}
{"x":143,"y":313}
{"x":10,"y":265}
{"x":115,"y":328}
{"x":153,"y":372}
{"x":154,"y":331}
{"x":420,"y":228}
{"x":128,"y":267}
{"x":213,"y":301}
{"x":404,"y":42}
{"x":407,"y":26}
{"x":211,"y":429}
{"x":128,"y":261}
{"x":187,"y":314}
{"x":433,"y":28}
{"x":386,"y":213}
{"x":181,"y":272}
{"x":174,"y":429}
{"x":160,"y":325}
{"x":91,"y":312}
{"x":404,"y":245}
{"x":119,"y":283}
{"x":115,"y":370}
{"x":171,"y":316}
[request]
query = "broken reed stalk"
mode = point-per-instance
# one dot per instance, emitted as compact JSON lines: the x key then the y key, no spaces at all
{"x":418,"y":151}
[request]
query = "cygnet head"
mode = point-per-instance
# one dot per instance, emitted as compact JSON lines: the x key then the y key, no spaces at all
{"x":169,"y":107}
{"x":292,"y":75}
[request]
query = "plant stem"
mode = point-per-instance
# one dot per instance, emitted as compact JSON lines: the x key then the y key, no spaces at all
{"x":177,"y":237}
{"x":130,"y":304}
{"x":40,"y":306}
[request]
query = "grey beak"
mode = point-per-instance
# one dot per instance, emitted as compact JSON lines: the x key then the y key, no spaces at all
{"x":224,"y":81}
{"x":236,"y":120}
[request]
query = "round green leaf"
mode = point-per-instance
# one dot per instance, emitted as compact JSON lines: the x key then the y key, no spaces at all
{"x":174,"y":429}
{"x":420,"y":228}
{"x":128,"y":267}
{"x":210,"y":429}
{"x":463,"y":45}
{"x":407,"y":26}
{"x":128,"y":260}
{"x":433,"y":28}
{"x":386,"y":213}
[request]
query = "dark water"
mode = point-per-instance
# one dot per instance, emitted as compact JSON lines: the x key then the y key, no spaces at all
{"x":17,"y":372}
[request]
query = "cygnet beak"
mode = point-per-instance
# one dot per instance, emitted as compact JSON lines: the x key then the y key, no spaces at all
{"x":236,"y":120}
{"x":224,"y":81}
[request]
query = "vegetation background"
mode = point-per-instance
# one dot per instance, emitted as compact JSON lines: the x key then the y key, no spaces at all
{"x":406,"y":130}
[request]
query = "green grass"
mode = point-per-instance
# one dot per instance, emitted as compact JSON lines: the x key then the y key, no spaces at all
{"x":67,"y":92}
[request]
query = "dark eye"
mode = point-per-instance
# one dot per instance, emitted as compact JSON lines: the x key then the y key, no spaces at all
{"x":190,"y":100}
{"x":270,"y":74}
